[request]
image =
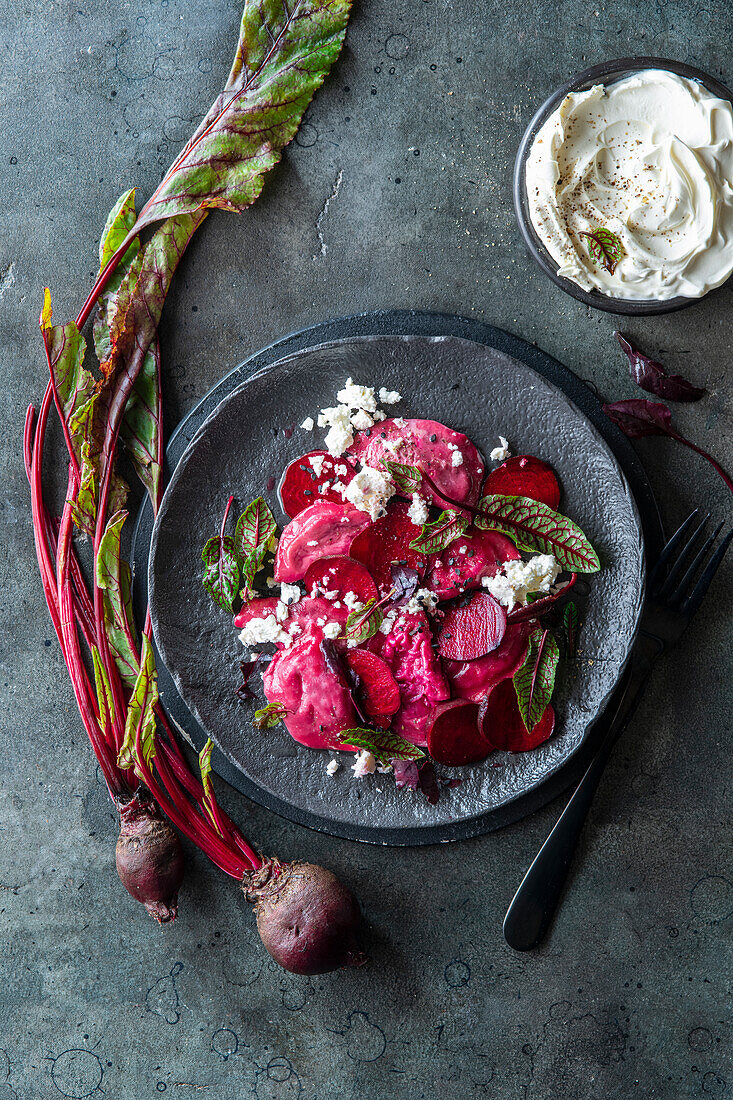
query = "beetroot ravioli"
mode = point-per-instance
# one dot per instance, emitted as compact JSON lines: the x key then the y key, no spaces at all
{"x":394,"y":616}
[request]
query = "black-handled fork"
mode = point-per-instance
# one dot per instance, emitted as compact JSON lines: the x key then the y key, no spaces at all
{"x":673,"y":597}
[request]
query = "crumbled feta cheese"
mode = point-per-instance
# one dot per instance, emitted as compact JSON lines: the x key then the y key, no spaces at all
{"x":332,"y":767}
{"x":267,"y":629}
{"x":388,"y":621}
{"x":392,"y":446}
{"x":281,"y":611}
{"x":341,"y":470}
{"x":418,"y":510}
{"x":352,"y":601}
{"x":365,"y":764}
{"x":423,"y":600}
{"x":312,"y":542}
{"x":369,"y":491}
{"x":308,"y":424}
{"x":289,"y":593}
{"x":361,"y":420}
{"x":340,"y":435}
{"x":399,"y":422}
{"x":331,"y":630}
{"x":456,"y":458}
{"x":389,"y":397}
{"x":519,"y":578}
{"x":501,"y":452}
{"x":379,"y":415}
{"x":316,"y":462}
{"x":357,"y":397}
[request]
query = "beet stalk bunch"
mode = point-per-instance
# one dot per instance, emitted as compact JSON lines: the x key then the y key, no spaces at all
{"x":307,"y":919}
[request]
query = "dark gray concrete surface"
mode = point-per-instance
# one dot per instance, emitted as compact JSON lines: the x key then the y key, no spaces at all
{"x":397,"y":193}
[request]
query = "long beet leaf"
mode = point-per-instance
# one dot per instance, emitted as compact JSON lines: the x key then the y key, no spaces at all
{"x":285,"y":50}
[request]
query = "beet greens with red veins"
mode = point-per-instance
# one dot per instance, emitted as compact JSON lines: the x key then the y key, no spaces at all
{"x":283,"y":56}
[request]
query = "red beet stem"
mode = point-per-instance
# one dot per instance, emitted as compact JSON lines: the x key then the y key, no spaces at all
{"x":307,"y":920}
{"x":705,"y":454}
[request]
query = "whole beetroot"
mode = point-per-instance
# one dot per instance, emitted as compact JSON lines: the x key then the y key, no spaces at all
{"x":149,"y":858}
{"x":306,"y":918}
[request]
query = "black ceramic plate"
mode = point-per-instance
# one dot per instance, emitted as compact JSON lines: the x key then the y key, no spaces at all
{"x":484,"y":389}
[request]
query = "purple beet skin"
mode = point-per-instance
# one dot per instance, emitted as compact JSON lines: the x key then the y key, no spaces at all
{"x":149,"y":859}
{"x":306,"y":918}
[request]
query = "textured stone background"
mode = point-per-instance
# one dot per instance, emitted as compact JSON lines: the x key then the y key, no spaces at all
{"x":397,"y":193}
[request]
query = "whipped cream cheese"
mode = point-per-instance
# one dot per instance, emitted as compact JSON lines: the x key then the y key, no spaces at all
{"x":649,"y":158}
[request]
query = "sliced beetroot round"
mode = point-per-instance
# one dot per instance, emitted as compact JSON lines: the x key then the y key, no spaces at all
{"x":387,"y":542}
{"x":378,"y":690}
{"x":454,"y":736}
{"x":475,"y":679}
{"x":473,"y":630}
{"x":524,"y":476}
{"x":502,"y":725}
{"x":319,"y":531}
{"x":305,"y":482}
{"x":340,"y":574}
{"x":461,"y":565}
{"x":430,"y":445}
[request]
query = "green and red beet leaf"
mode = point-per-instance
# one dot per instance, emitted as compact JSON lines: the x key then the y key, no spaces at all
{"x":538,"y":529}
{"x":114,"y":579}
{"x":284,"y":53}
{"x":384,"y":745}
{"x":534,"y":681}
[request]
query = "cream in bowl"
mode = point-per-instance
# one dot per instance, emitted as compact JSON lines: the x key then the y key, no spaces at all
{"x":629,"y":187}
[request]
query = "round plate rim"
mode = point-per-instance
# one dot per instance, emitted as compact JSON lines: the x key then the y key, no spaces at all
{"x":390,"y":323}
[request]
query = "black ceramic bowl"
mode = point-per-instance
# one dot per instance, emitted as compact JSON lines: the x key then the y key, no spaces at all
{"x":607,"y":73}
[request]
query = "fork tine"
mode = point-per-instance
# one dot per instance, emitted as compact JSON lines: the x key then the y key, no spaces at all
{"x":690,"y":606}
{"x":669,"y":548}
{"x":683,"y":587}
{"x":679,"y":564}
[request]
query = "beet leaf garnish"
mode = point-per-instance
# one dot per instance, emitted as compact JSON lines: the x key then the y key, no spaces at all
{"x":405,"y":580}
{"x":534,"y":681}
{"x":384,"y":745}
{"x":605,"y":248}
{"x":227,"y":558}
{"x":653,"y":377}
{"x":536,"y":528}
{"x":362,"y":624}
{"x":208,"y":801}
{"x":408,"y":479}
{"x":639,"y":417}
{"x":570,"y":628}
{"x":268,"y":717}
{"x":439,"y":534}
{"x":255,"y":527}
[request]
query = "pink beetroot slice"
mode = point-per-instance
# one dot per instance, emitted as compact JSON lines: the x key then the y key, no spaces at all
{"x":378,"y":690}
{"x":474,"y":679}
{"x":502,"y":725}
{"x":301,"y":485}
{"x":387,"y":542}
{"x":319,"y":531}
{"x":454,"y":736}
{"x":461,"y":565}
{"x":473,"y":630}
{"x":524,"y":476}
{"x":340,"y":574}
